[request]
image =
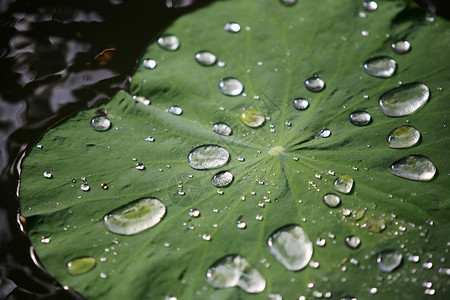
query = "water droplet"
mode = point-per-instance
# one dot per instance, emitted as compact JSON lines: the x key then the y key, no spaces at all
{"x":414,"y":167}
{"x":241,"y":159}
{"x":232,"y":27}
{"x":222,"y":178}
{"x":100,"y":123}
{"x":176,"y":110}
{"x":140,"y":167}
{"x":231,"y":86}
{"x":48,"y":175}
{"x":382,"y":66}
{"x":403,"y":137}
{"x":205,"y":58}
{"x":85,"y":187}
{"x":321,"y":242}
{"x":404,"y":100}
{"x":150,"y":139}
{"x":222,"y":129}
{"x":401,"y":47}
{"x":206,"y":237}
{"x":208,"y":157}
{"x":169,"y":42}
{"x":331,"y":200}
{"x":370,"y":5}
{"x":135,"y":216}
{"x":301,"y":103}
{"x":241,"y":225}
{"x":252,"y":117}
{"x":373,"y":290}
{"x":46,"y":240}
{"x":315,"y":84}
{"x":374,"y":225}
{"x":39,"y":146}
{"x":234,"y":270}
{"x":389,"y":260}
{"x":343,"y":184}
{"x":325,"y":133}
{"x":291,"y":246}
{"x":80,"y":265}
{"x":288,"y":2}
{"x":194,"y":213}
{"x":149,"y":63}
{"x":360,"y":118}
{"x":353,"y":241}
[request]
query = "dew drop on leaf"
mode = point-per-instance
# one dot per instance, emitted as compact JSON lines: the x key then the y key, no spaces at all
{"x":231,"y":86}
{"x":169,"y":42}
{"x":222,"y":179}
{"x":401,"y":47}
{"x":352,"y":241}
{"x":301,"y":103}
{"x":85,"y":187}
{"x":382,"y":66}
{"x":176,"y":110}
{"x":288,"y":2}
{"x":370,"y":5}
{"x":404,"y":100}
{"x":315,"y":84}
{"x":208,"y":157}
{"x":135,"y":216}
{"x":234,"y":270}
{"x":205,"y":58}
{"x":149,"y":63}
{"x":389,"y":260}
{"x":325,"y":133}
{"x":100,"y":123}
{"x":222,"y":129}
{"x":331,"y":200}
{"x":291,"y":246}
{"x":414,"y":167}
{"x":232,"y":27}
{"x":343,"y":184}
{"x":48,"y":175}
{"x":80,"y":265}
{"x":140,"y":167}
{"x":403,"y":137}
{"x":194,"y":212}
{"x":252,"y":117}
{"x":360,"y":118}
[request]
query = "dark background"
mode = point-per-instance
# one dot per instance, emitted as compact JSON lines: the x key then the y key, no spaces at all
{"x":58,"y":57}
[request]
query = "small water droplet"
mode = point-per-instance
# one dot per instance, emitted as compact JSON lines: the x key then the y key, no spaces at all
{"x":48,"y":175}
{"x":389,"y":260}
{"x":315,"y":84}
{"x":288,"y":2}
{"x":222,"y":129}
{"x":150,"y":139}
{"x":85,"y":187}
{"x":321,"y":242}
{"x":291,"y":246}
{"x":373,"y":290}
{"x":414,"y":258}
{"x":241,"y":225}
{"x":169,"y":42}
{"x":205,"y":58}
{"x":39,"y":146}
{"x":252,"y":117}
{"x":46,"y":240}
{"x":259,"y":217}
{"x":414,"y":167}
{"x":80,"y":265}
{"x":401,"y":47}
{"x":427,"y":265}
{"x":194,"y":212}
{"x":135,"y":216}
{"x":207,"y":157}
{"x":232,"y":27}
{"x":325,"y":133}
{"x":100,"y":123}
{"x":404,"y":100}
{"x":176,"y":110}
{"x":403,"y":137}
{"x":231,"y":86}
{"x":140,"y":167}
{"x":301,"y":103}
{"x":370,"y":5}
{"x":343,"y":183}
{"x":206,"y":237}
{"x":352,"y":241}
{"x":382,"y":66}
{"x":222,"y":179}
{"x":234,"y":270}
{"x":331,"y":200}
{"x":149,"y":63}
{"x":360,"y":118}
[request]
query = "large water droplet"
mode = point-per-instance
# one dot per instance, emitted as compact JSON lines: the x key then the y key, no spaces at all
{"x":315,"y":84}
{"x":135,"y":216}
{"x":301,"y":103}
{"x":382,"y":66}
{"x":222,"y":129}
{"x":222,"y":178}
{"x":414,"y":167}
{"x":205,"y":58}
{"x":234,"y":270}
{"x":232,"y":27}
{"x":252,"y":117}
{"x":370,"y":5}
{"x":352,"y":241}
{"x":208,"y":157}
{"x":169,"y":42}
{"x":343,"y":183}
{"x":176,"y":110}
{"x":331,"y":200}
{"x":80,"y":265}
{"x":389,"y":260}
{"x":231,"y":86}
{"x":291,"y":246}
{"x":360,"y":118}
{"x":100,"y":123}
{"x":404,"y":100}
{"x":401,"y":47}
{"x":403,"y":137}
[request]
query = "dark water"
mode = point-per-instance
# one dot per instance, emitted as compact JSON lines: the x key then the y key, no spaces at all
{"x":58,"y":57}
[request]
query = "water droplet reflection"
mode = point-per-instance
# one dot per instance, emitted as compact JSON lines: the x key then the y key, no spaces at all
{"x":252,"y":117}
{"x":414,"y":167}
{"x":401,"y":47}
{"x":315,"y":84}
{"x":169,"y":42}
{"x":231,"y":86}
{"x":80,"y":265}
{"x":100,"y":123}
{"x":208,"y":157}
{"x":403,"y":137}
{"x":360,"y":118}
{"x":404,"y":100}
{"x":389,"y":260}
{"x":205,"y":58}
{"x":383,"y":66}
{"x":222,"y":179}
{"x":301,"y":103}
